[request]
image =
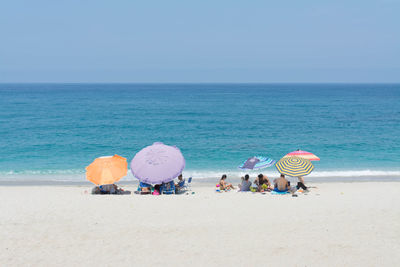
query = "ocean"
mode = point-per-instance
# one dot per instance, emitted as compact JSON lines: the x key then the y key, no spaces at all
{"x":53,"y":131}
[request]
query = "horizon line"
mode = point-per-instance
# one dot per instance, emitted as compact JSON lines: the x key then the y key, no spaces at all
{"x":116,"y":82}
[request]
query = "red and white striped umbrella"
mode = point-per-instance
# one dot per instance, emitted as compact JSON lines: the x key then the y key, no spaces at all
{"x":302,"y":154}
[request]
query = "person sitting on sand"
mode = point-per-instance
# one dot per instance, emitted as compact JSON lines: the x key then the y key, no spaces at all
{"x":300,"y":184}
{"x":263,"y":183}
{"x":157,"y":189}
{"x":281,"y":184}
{"x":180,"y":182}
{"x":180,"y":185}
{"x":245,"y":185}
{"x":223,"y":185}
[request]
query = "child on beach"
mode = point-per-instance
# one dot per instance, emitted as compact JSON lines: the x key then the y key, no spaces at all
{"x":223,"y":185}
{"x":245,"y":185}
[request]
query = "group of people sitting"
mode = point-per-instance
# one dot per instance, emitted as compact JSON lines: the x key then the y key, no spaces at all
{"x":143,"y":189}
{"x":263,"y":184}
{"x":169,"y":188}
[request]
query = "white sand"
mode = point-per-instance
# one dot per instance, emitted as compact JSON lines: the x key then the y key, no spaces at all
{"x":338,"y":224}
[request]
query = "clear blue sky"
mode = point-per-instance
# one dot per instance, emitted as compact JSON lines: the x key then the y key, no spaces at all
{"x":200,"y":41}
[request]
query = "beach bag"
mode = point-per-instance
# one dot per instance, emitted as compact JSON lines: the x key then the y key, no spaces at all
{"x":108,"y":189}
{"x":264,"y":186}
{"x":96,"y":190}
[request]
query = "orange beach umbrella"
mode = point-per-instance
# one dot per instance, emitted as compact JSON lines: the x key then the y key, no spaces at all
{"x":107,"y":170}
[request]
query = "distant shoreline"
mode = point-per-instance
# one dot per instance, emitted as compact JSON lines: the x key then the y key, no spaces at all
{"x":197,"y":182}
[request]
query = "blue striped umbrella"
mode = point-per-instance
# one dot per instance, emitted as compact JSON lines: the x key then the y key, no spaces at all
{"x":294,"y":166}
{"x":256,"y":163}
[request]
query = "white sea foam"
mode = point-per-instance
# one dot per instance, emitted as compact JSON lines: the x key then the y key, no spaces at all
{"x":331,"y":173}
{"x":41,"y":172}
{"x":79,"y":175}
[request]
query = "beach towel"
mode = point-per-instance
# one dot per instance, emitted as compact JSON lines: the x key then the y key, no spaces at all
{"x":280,"y":192}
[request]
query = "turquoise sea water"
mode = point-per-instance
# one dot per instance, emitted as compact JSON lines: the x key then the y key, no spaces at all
{"x":57,"y":129}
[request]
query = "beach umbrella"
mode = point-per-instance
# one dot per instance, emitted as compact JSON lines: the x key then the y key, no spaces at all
{"x":294,"y":166}
{"x":157,"y":163}
{"x":107,"y":170}
{"x":257,"y":163}
{"x":302,"y":154}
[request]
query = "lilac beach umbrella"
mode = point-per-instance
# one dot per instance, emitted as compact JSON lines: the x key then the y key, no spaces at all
{"x":157,"y":164}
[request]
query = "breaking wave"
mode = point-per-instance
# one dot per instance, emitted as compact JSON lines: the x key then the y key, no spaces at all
{"x":79,"y":174}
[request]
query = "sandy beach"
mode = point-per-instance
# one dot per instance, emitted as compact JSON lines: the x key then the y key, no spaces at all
{"x":336,"y":224}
